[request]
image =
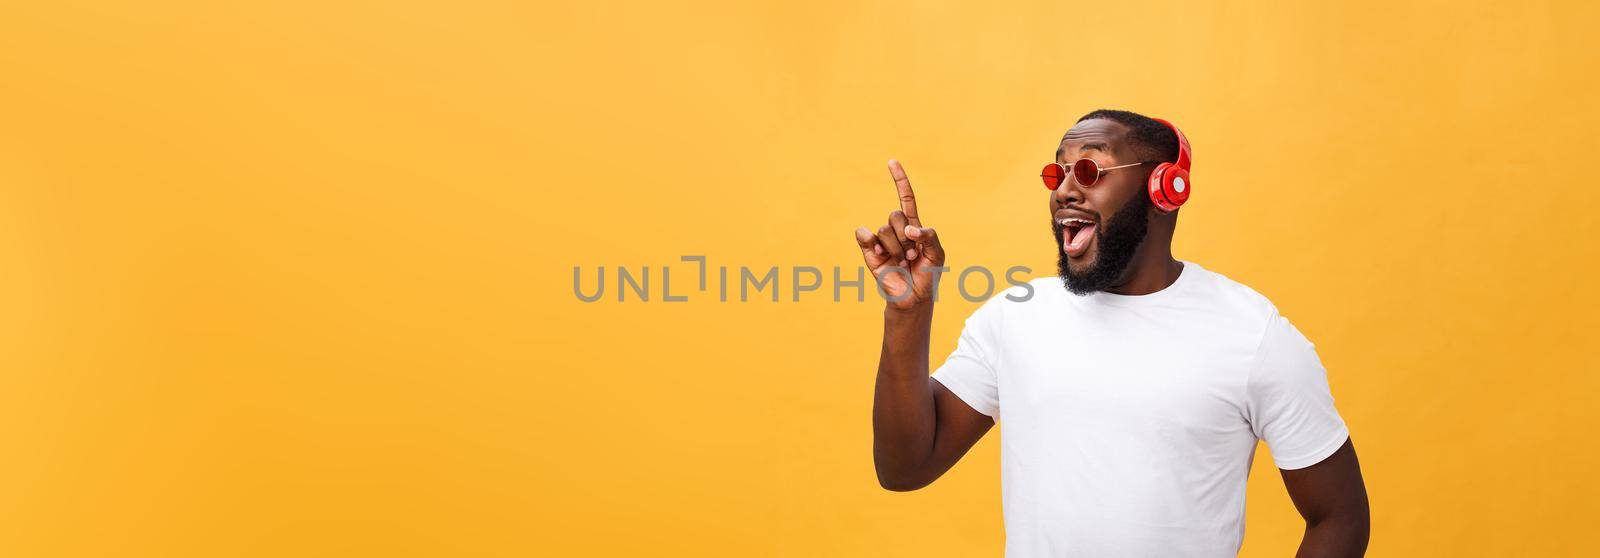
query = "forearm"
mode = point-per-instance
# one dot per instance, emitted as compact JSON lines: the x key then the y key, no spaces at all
{"x":1335,"y":537}
{"x":904,"y":423}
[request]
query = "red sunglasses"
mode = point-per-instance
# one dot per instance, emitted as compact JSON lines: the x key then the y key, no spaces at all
{"x":1085,"y":170}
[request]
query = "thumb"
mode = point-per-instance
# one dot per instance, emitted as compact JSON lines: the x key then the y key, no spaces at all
{"x":927,"y":242}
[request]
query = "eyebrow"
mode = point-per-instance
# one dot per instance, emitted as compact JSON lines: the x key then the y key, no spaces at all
{"x":1096,"y":145}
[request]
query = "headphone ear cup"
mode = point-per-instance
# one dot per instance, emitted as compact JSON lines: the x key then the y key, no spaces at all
{"x":1176,"y":186}
{"x":1161,"y":188}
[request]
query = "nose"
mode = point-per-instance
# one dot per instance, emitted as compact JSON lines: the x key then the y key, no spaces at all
{"x":1070,"y":192}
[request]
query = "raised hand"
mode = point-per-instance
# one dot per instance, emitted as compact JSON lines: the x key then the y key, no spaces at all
{"x":903,"y":247}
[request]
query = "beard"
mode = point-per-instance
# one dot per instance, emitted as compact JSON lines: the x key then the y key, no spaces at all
{"x":1115,"y":243}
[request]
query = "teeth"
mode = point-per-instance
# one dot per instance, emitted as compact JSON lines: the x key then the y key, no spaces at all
{"x":1074,"y":220}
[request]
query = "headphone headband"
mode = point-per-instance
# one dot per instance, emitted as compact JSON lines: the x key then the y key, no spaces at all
{"x":1185,"y":157}
{"x":1169,"y":182}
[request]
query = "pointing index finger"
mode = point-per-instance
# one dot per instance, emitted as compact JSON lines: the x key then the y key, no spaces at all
{"x":908,"y":200}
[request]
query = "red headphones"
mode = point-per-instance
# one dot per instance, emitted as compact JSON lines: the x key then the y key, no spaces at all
{"x":1169,"y":183}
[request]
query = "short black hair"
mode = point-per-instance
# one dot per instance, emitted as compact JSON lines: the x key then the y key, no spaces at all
{"x":1153,"y":140}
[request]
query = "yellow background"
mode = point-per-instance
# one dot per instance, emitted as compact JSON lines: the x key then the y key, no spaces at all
{"x":295,"y":279}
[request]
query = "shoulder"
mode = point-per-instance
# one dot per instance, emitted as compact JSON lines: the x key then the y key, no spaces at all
{"x":1276,"y":338}
{"x":1230,"y":295}
{"x":1041,"y":294}
{"x":1039,"y":290}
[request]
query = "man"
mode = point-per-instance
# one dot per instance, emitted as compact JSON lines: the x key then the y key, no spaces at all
{"x":1132,"y":391}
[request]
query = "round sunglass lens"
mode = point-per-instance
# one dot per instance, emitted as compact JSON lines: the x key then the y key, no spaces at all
{"x":1053,"y":175}
{"x":1086,"y":171}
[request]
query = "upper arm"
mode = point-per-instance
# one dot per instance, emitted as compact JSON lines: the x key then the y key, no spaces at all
{"x":966,"y":394}
{"x":1289,"y":404}
{"x":1291,"y":408}
{"x":959,"y":427}
{"x":1331,"y":489}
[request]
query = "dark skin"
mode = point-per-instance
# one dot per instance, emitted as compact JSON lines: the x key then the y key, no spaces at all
{"x":920,"y":428}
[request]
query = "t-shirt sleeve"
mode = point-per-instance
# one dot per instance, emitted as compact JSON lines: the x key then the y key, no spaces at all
{"x":970,"y":371}
{"x":1290,"y":405}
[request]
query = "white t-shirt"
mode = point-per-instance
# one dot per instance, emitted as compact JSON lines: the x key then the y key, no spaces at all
{"x":1128,"y":423}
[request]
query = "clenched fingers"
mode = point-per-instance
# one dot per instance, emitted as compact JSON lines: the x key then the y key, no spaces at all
{"x":871,"y":251}
{"x":897,"y":223}
{"x":891,"y":244}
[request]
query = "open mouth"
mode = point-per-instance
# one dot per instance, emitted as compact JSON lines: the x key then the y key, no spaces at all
{"x":1076,"y":233}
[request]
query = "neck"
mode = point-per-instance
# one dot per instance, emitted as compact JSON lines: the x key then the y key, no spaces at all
{"x":1153,"y":268}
